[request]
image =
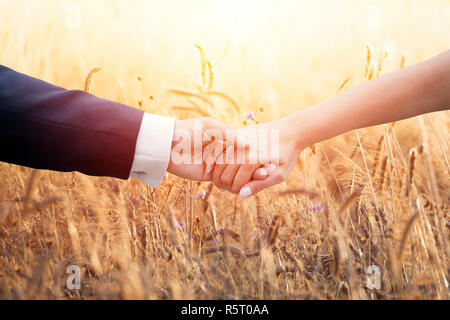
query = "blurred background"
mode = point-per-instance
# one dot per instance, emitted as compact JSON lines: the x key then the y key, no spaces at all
{"x":282,"y":55}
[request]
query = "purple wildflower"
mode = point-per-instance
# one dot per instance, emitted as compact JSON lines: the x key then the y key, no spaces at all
{"x":253,"y":235}
{"x":200,"y":195}
{"x":316,"y":208}
{"x":181,"y":224}
{"x":250,"y":115}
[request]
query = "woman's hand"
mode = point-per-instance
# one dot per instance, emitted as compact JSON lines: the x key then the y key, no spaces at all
{"x":277,"y":147}
{"x":290,"y":146}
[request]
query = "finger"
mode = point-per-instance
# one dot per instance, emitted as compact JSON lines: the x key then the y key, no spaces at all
{"x":237,"y":138}
{"x":235,"y":176}
{"x":270,"y":168}
{"x":259,"y":174}
{"x":220,"y":166}
{"x":213,"y":128}
{"x":262,"y":172}
{"x":230,"y":171}
{"x":244,"y":175}
{"x":228,"y":176}
{"x":256,"y":186}
{"x":212,"y":152}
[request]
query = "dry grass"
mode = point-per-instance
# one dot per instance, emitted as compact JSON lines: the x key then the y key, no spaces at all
{"x":358,"y":200}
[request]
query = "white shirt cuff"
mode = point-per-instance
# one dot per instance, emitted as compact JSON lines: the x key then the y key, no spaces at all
{"x":153,"y":148}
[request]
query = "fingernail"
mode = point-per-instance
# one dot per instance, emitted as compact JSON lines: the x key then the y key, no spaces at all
{"x":270,"y":168}
{"x":208,"y":168}
{"x":262,"y":172}
{"x":221,"y":190}
{"x":245,"y":192}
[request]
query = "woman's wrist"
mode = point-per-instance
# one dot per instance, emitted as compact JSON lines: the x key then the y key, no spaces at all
{"x":297,"y":126}
{"x":318,"y":122}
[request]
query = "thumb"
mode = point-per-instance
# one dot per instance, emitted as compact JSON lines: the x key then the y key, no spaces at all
{"x":256,"y":186}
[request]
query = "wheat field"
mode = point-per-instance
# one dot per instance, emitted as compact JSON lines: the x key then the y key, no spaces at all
{"x":371,"y":198}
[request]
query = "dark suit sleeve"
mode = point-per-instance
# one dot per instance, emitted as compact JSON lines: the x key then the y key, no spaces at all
{"x":47,"y":127}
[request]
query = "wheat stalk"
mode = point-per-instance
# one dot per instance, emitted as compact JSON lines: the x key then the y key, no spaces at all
{"x":90,"y":78}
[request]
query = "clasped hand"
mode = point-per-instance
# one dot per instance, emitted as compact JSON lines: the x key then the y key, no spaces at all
{"x":243,"y":161}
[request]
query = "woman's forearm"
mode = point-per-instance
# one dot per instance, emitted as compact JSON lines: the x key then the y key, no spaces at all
{"x":418,"y":89}
{"x":421,"y":88}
